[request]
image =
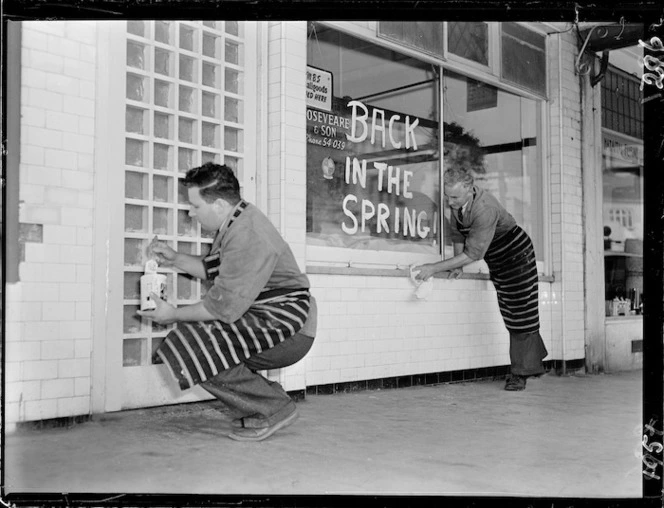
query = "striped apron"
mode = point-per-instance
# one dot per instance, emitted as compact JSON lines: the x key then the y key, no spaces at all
{"x":197,"y":351}
{"x":513,"y":271}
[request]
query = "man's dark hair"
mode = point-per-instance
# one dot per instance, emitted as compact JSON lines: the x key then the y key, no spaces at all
{"x":214,"y":181}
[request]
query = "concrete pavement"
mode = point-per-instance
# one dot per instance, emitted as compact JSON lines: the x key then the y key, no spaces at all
{"x":571,"y":436}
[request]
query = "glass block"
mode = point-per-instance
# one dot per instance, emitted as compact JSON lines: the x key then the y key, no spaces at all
{"x":232,"y":80}
{"x":136,"y":218}
{"x":162,"y":61}
{"x":131,"y":321}
{"x":187,"y":247}
{"x":134,"y":252}
{"x":231,"y":139}
{"x":135,"y":55}
{"x":183,"y":192}
{"x":186,"y":225}
{"x":210,"y":135}
{"x":185,"y":159}
{"x":134,"y":152}
{"x":209,"y":157}
{"x":187,"y":99}
{"x":210,"y":24}
{"x":162,"y":224}
{"x":162,"y":157}
{"x":232,"y":53}
{"x":162,"y":188}
{"x":209,"y":104}
{"x":211,"y":45}
{"x":231,"y":110}
{"x":132,"y":352}
{"x":232,"y":27}
{"x":210,"y":75}
{"x":186,"y":38}
{"x":135,"y":88}
{"x":162,"y":93}
{"x":231,"y":162}
{"x":154,"y":358}
{"x":162,"y":126}
{"x":162,"y":31}
{"x":136,"y":27}
{"x":187,"y":69}
{"x":135,"y":120}
{"x":136,"y":185}
{"x":186,"y":130}
{"x":132,"y":285}
{"x":208,"y":234}
{"x":186,"y":287}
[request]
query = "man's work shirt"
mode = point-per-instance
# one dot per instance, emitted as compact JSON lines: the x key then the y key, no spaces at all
{"x":484,"y":219}
{"x":253,"y":257}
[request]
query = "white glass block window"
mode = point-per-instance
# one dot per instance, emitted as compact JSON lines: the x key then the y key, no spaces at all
{"x":184,"y":106}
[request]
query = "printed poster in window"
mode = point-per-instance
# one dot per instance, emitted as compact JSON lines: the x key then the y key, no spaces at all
{"x":372,"y":178}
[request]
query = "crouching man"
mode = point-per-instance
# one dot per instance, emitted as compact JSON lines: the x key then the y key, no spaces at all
{"x":258,"y":313}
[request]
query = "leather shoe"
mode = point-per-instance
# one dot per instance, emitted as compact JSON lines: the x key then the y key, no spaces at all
{"x":258,"y":434}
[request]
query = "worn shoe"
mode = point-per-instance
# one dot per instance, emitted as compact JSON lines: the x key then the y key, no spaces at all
{"x":515,"y":383}
{"x":258,"y":434}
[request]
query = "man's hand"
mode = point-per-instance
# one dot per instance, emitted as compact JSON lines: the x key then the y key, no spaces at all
{"x":164,"y":254}
{"x":455,"y":274}
{"x":164,"y":314}
{"x":425,"y":271}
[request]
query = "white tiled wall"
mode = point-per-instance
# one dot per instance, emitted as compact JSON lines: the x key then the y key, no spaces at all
{"x":49,"y":311}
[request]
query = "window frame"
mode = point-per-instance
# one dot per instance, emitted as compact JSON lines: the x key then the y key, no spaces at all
{"x":338,"y":258}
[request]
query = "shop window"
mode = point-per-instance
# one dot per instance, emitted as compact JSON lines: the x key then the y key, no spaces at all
{"x":423,"y":35}
{"x":498,"y":136}
{"x":622,"y":178}
{"x":469,"y":39}
{"x":523,"y":57}
{"x":177,"y":115}
{"x":373,"y":163}
{"x":621,"y":104}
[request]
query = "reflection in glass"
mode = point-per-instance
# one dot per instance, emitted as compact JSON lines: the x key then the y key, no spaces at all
{"x":162,"y":31}
{"x":231,"y":110}
{"x":132,"y":352}
{"x":136,"y":218}
{"x":162,"y":127}
{"x":134,"y":152}
{"x":210,"y":135}
{"x":210,"y":74}
{"x":187,"y":68}
{"x":231,"y":54}
{"x":135,"y":55}
{"x":131,"y":322}
{"x":161,"y":156}
{"x":161,"y":188}
{"x":186,"y":225}
{"x":134,"y":252}
{"x":135,"y":90}
{"x":134,"y":120}
{"x":162,"y":61}
{"x":132,"y":287}
{"x":185,"y":159}
{"x":136,"y":185}
{"x":186,"y":130}
{"x":210,"y":45}
{"x":231,"y":80}
{"x":186,"y":102}
{"x":162,"y":93}
{"x":209,"y":106}
{"x":161,"y":223}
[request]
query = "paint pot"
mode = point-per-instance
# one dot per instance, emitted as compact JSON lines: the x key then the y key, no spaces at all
{"x":152,"y":282}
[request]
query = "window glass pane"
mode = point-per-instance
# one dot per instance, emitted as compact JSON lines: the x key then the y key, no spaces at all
{"x":162,"y":126}
{"x":231,"y":80}
{"x":162,"y":93}
{"x":506,"y":161}
{"x":185,"y":159}
{"x":187,"y":38}
{"x":424,"y":35}
{"x":523,"y":57}
{"x":132,"y":352}
{"x":623,"y":221}
{"x":162,"y":31}
{"x":135,"y":55}
{"x":187,"y":68}
{"x":469,"y":39}
{"x":136,"y":185}
{"x":186,"y":287}
{"x":136,"y":218}
{"x":162,"y":61}
{"x":135,"y":88}
{"x":162,"y":157}
{"x":211,"y":45}
{"x":162,"y":223}
{"x":161,"y":188}
{"x":209,"y":106}
{"x":135,"y":120}
{"x":372,"y":149}
{"x":134,"y":252}
{"x":186,"y":225}
{"x":187,"y":99}
{"x":136,"y":27}
{"x":231,"y":110}
{"x":210,"y":75}
{"x":211,"y":136}
{"x":134,"y":152}
{"x":232,"y":27}
{"x":186,"y":130}
{"x":132,"y":289}
{"x":231,"y":139}
{"x":231,"y":52}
